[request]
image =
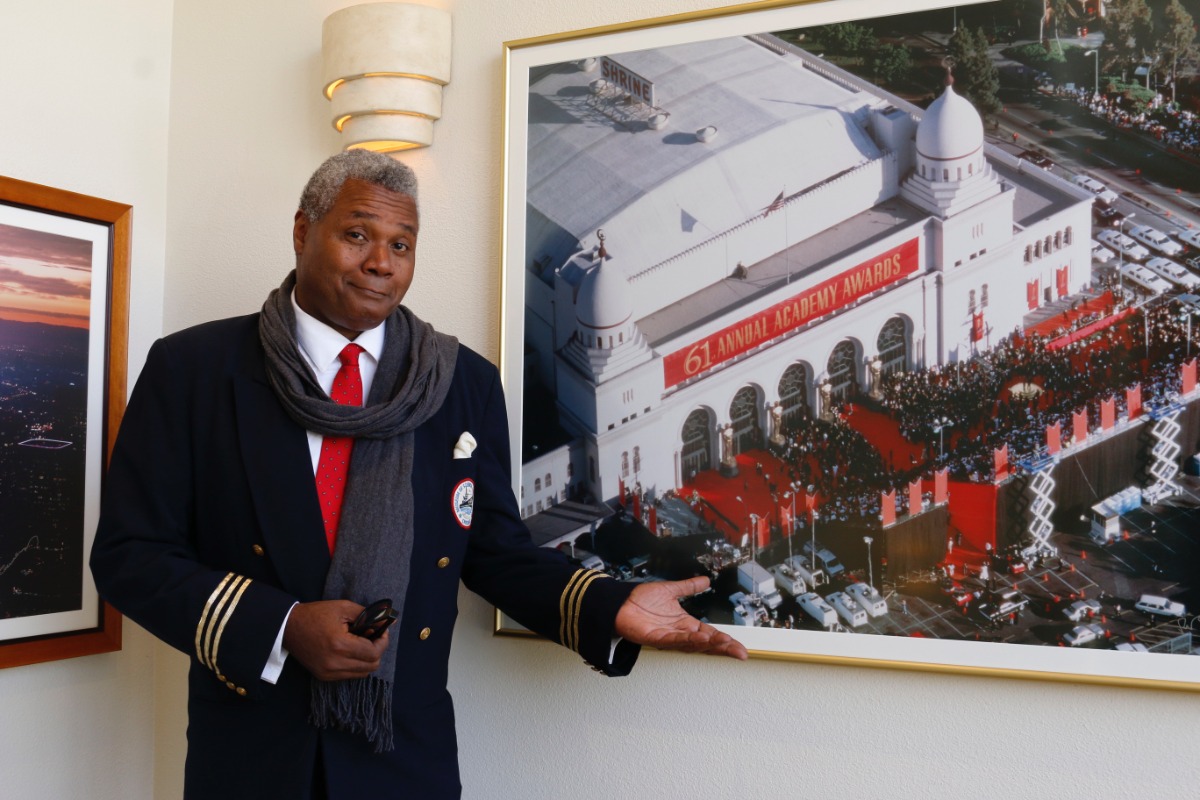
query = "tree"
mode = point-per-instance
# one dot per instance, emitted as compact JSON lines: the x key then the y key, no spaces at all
{"x":849,"y":38}
{"x":976,"y":76}
{"x":891,"y":63}
{"x":1128,"y":34}
{"x":1176,"y":39}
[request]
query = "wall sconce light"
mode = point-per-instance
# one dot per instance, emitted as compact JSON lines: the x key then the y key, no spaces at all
{"x":384,"y":68}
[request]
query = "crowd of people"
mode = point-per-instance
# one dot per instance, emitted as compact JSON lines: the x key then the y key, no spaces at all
{"x":1164,"y":121}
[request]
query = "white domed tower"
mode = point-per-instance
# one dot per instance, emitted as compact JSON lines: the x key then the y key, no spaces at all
{"x":951,"y":172}
{"x":607,"y":340}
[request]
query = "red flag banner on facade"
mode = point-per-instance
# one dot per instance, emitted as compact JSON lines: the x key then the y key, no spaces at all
{"x":1133,"y":401}
{"x":637,"y":506}
{"x":1108,"y":413}
{"x":887,"y":508}
{"x":763,"y":530}
{"x":810,"y":506}
{"x":654,"y":520}
{"x":1000,"y":458}
{"x":620,"y":490}
{"x":941,"y":484}
{"x":785,"y":520}
{"x":1062,"y":278}
{"x":914,"y":497}
{"x":1031,"y":295}
{"x":1189,"y":377}
{"x":1079,"y":422}
{"x":1054,"y":438}
{"x":977,"y":326}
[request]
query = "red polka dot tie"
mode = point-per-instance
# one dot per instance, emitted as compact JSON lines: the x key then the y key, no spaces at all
{"x":334,"y":463}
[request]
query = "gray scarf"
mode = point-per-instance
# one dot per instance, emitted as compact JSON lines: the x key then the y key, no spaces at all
{"x":375,"y":535}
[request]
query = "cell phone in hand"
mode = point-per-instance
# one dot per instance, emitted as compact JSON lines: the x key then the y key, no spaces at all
{"x":374,"y":620}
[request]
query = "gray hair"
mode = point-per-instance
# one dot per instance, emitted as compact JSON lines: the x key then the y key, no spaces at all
{"x":325,"y":184}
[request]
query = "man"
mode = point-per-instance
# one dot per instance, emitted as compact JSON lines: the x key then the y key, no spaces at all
{"x":275,"y":473}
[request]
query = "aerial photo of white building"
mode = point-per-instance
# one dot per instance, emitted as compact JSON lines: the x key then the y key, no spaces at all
{"x":725,"y":236}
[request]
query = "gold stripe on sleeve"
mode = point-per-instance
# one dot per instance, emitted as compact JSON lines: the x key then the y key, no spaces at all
{"x":563,"y":614}
{"x":225,"y":618}
{"x":578,"y":607}
{"x":216,"y":615}
{"x":212,"y":598}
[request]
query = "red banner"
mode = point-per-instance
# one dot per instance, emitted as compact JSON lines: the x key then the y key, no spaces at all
{"x":763,"y":529}
{"x":1054,"y":438}
{"x":914,"y":497}
{"x":1108,"y":413}
{"x":1031,"y":295}
{"x":941,"y":481}
{"x":1062,"y":278}
{"x":977,"y":327}
{"x":1079,"y":421}
{"x":637,"y":506}
{"x":1189,"y":377}
{"x":1133,"y":401}
{"x":811,"y":304}
{"x":887,"y":508}
{"x":1000,"y":459}
{"x":654,"y":520}
{"x":620,"y":490}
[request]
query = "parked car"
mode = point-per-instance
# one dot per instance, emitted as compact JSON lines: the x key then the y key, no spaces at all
{"x":1084,"y":634}
{"x":1082,"y":609}
{"x":1155,"y":239}
{"x":1036,"y":158}
{"x":1106,"y":216}
{"x":1102,"y":192}
{"x":1190,"y":238}
{"x":1159,"y":606}
{"x":1101,"y":253}
{"x":825,"y":559}
{"x":1131,"y":250}
{"x":1175,"y":273}
{"x":1147,"y":280}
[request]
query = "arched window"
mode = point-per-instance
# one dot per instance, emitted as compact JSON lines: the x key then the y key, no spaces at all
{"x":696,"y":440}
{"x":893,"y":346}
{"x":1028,"y":253}
{"x":537,"y":484}
{"x":547,"y":480}
{"x":971,"y":301}
{"x":793,"y":393}
{"x":1037,"y":249}
{"x":637,"y":459}
{"x":1058,"y":240}
{"x":625,"y":464}
{"x":743,"y":413}
{"x":842,"y":372}
{"x":983,"y":297}
{"x":1067,"y":235}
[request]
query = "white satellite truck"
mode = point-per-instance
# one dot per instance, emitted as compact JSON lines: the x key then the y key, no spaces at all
{"x":748,"y":610}
{"x":755,"y":580}
{"x":787,"y":581}
{"x":869,"y":598}
{"x":813,"y":576}
{"x":850,"y":612}
{"x":815,"y":606}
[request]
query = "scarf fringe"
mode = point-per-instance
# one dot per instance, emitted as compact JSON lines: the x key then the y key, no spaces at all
{"x":361,"y":706}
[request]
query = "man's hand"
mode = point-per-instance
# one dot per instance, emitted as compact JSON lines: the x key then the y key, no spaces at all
{"x":318,"y":634}
{"x":652,"y":616}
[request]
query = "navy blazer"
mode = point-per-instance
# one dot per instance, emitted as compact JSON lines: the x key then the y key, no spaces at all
{"x":210,"y":530}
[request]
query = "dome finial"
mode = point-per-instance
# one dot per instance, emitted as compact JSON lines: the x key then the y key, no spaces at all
{"x":948,"y":63}
{"x":603,"y":253}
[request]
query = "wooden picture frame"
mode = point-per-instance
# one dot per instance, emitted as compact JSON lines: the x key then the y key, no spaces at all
{"x":64,"y":303}
{"x":605,"y":377}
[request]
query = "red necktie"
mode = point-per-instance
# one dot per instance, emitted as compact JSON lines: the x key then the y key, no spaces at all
{"x":334,"y":463}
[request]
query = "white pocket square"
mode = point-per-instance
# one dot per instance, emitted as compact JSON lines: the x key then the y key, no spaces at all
{"x":464,"y":446}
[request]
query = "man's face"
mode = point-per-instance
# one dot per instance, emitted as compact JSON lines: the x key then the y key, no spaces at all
{"x":354,"y":265}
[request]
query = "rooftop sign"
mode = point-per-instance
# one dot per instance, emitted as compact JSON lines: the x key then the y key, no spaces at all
{"x":627,"y":81}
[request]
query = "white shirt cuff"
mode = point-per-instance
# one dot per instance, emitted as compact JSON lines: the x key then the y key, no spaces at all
{"x":279,"y":653}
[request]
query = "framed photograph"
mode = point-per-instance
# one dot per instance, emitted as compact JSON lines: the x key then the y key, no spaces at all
{"x":64,"y":308}
{"x":883,"y":323}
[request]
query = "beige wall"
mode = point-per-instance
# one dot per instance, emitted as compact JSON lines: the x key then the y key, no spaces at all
{"x":246,"y":126}
{"x":85,"y":109}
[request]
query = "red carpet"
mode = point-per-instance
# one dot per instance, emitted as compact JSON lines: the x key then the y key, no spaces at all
{"x":973,"y":511}
{"x":883,"y":433}
{"x":1048,"y":326}
{"x":749,"y":484}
